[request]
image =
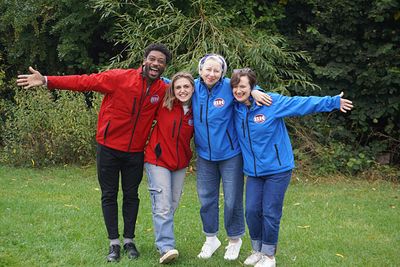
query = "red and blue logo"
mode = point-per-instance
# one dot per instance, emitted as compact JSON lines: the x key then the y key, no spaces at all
{"x":154,"y":99}
{"x":259,"y":118}
{"x":219,"y":103}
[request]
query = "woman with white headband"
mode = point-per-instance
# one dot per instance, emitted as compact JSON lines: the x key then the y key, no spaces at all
{"x":218,"y":156}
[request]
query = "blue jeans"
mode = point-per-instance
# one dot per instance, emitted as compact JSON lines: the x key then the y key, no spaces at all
{"x":165,"y":188}
{"x":209,"y":175}
{"x":264,"y":203}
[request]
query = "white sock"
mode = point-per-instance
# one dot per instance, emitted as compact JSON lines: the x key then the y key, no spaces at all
{"x":115,"y":242}
{"x":128,"y":240}
{"x":211,"y":239}
{"x":234,"y":241}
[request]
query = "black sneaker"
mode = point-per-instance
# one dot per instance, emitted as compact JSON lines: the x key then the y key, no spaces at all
{"x":114,"y":253}
{"x":131,"y":251}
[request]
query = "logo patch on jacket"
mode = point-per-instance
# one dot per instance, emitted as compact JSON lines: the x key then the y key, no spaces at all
{"x":259,"y":118}
{"x":154,"y":99}
{"x":190,"y":122}
{"x":219,"y":102}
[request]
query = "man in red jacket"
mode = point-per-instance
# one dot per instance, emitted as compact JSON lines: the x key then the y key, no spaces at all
{"x":131,"y":98}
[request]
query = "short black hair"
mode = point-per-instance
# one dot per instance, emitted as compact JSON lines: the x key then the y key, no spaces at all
{"x":158,"y":47}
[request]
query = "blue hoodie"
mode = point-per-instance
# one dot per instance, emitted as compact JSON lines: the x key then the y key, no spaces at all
{"x":214,"y":134}
{"x":263,"y":137}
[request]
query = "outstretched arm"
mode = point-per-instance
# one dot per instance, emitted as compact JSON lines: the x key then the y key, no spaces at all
{"x":31,"y":80}
{"x":345,"y":104}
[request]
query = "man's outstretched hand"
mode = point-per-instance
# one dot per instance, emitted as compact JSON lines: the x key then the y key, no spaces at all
{"x":31,"y":80}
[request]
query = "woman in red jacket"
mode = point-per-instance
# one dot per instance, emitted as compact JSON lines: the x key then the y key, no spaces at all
{"x":167,"y":156}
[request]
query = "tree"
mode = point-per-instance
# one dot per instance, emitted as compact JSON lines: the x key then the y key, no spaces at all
{"x":355,"y":46}
{"x":195,"y":28}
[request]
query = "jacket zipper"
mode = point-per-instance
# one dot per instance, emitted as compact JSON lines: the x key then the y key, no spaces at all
{"x":134,"y":106}
{"x":201,"y":113}
{"x":244,"y":129}
{"x":230,"y":140}
{"x":138,"y":113}
{"x":177,"y":139}
{"x":277,"y":154}
{"x":251,"y":146}
{"x":208,"y":130}
{"x":173,"y":129}
{"x":105,"y":131}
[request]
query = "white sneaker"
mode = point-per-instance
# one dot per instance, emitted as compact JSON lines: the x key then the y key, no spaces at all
{"x":253,"y":258}
{"x":232,"y":250}
{"x":266,"y":262}
{"x":169,"y":256}
{"x":209,"y":247}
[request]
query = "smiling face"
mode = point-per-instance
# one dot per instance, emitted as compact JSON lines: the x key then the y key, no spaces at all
{"x":183,"y":90}
{"x":154,"y":65}
{"x":242,"y":90}
{"x":211,"y":72}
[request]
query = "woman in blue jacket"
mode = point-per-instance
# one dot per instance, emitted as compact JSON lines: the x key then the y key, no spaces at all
{"x":268,"y":157}
{"x":219,"y":156}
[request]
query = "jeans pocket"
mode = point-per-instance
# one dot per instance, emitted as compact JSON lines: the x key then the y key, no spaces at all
{"x":155,"y":195}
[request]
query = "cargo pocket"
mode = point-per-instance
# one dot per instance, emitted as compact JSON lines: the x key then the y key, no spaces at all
{"x":230,"y":139}
{"x":155,"y":195}
{"x":105,"y":132}
{"x":277,"y":154}
{"x":157,"y":150}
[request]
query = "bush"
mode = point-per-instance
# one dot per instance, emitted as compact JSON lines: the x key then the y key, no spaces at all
{"x":323,"y":146}
{"x":42,"y":130}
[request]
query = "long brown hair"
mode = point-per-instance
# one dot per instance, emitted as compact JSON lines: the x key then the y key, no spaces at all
{"x":169,"y":94}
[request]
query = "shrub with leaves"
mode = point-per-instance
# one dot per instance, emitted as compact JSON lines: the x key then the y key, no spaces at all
{"x":355,"y":47}
{"x":206,"y":27}
{"x":40,"y":130}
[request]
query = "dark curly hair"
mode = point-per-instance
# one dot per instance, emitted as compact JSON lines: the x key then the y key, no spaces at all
{"x":158,"y":47}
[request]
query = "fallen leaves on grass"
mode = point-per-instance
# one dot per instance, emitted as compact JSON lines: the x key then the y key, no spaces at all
{"x":303,"y":226}
{"x":71,"y":206}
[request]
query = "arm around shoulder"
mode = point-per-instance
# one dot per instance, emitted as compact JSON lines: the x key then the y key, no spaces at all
{"x":261,"y":97}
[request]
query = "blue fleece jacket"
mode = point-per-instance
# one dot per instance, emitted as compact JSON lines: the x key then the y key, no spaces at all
{"x":263,"y":137}
{"x":214,"y":134}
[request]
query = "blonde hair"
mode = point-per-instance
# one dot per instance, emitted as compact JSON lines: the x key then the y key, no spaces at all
{"x":169,"y":97}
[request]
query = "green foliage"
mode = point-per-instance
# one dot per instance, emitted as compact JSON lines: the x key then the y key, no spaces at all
{"x":324,"y":145}
{"x":2,"y":71}
{"x":3,"y":103}
{"x":40,"y":131}
{"x":354,"y":47}
{"x":207,"y":27}
{"x":55,"y":36}
{"x":340,"y":157}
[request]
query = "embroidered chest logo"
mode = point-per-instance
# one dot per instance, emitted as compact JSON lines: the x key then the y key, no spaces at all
{"x":219,"y":102}
{"x":154,"y":99}
{"x":259,"y":118}
{"x":190,"y":122}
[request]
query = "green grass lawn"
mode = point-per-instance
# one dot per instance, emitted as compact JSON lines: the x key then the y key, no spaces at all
{"x":52,"y":217}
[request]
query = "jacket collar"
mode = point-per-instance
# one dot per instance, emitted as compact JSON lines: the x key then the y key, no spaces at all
{"x":215,"y":85}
